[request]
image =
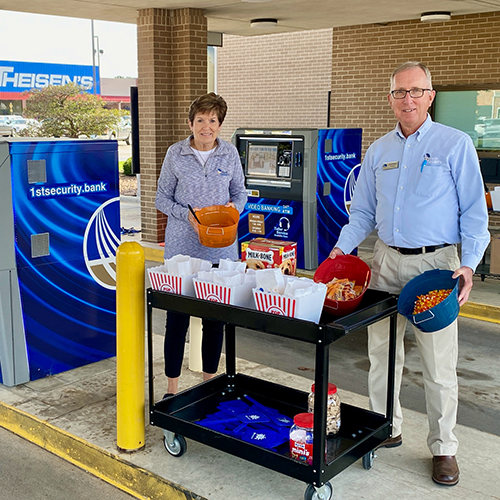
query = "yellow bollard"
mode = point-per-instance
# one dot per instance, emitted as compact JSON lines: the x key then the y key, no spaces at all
{"x":130,"y":340}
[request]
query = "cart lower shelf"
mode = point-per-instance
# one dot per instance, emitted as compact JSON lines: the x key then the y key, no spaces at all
{"x":361,"y":430}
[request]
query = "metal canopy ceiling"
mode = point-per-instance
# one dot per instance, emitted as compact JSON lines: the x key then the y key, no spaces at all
{"x":234,"y":16}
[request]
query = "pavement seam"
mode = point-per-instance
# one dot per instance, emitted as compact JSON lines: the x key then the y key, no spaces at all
{"x":111,"y":468}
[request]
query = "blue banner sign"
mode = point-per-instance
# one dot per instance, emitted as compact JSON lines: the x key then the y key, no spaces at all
{"x":17,"y":77}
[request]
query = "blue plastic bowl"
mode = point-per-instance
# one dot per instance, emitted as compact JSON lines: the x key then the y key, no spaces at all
{"x":441,"y":315}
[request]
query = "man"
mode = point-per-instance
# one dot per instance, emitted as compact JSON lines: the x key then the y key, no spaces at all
{"x":420,"y":187}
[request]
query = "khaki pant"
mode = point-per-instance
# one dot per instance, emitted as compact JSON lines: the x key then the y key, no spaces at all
{"x":438,"y":350}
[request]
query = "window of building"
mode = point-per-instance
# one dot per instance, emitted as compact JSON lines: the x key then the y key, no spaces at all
{"x":476,"y":112}
{"x":212,"y":68}
{"x":11,"y":107}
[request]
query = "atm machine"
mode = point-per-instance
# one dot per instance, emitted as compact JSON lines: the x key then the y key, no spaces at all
{"x":299,"y":183}
{"x":60,"y":227}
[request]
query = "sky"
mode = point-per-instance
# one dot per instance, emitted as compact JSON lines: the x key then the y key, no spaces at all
{"x":67,"y":40}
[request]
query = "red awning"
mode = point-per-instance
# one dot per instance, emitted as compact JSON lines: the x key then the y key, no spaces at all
{"x":13,"y":96}
{"x":124,"y":98}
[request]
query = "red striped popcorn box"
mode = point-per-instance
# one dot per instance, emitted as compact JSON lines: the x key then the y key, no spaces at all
{"x":274,"y":303}
{"x":308,"y":307}
{"x":164,"y":282}
{"x":240,"y":295}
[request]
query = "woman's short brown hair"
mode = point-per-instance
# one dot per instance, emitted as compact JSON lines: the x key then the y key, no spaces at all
{"x":207,"y":104}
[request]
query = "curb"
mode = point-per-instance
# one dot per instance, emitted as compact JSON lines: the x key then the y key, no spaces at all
{"x":153,"y":254}
{"x":482,"y":312}
{"x":125,"y":476}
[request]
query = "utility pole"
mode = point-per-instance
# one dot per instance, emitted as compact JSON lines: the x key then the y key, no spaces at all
{"x":94,"y":79}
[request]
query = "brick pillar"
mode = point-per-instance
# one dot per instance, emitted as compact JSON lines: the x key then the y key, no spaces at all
{"x":172,"y":63}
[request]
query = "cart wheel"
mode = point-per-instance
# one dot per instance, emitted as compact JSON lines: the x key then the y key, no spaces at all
{"x":175,"y":444}
{"x":324,"y":492}
{"x":368,"y":460}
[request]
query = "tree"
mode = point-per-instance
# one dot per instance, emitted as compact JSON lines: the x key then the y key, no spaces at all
{"x":68,"y":111}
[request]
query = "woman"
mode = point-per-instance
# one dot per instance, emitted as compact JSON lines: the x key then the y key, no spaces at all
{"x":200,"y":171}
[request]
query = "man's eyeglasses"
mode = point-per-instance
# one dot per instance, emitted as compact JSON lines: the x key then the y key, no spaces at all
{"x":414,"y":93}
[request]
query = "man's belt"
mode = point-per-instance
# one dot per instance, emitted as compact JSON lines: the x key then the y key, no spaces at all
{"x":417,"y":251}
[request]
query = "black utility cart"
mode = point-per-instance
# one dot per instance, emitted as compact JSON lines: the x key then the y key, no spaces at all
{"x":361,"y":430}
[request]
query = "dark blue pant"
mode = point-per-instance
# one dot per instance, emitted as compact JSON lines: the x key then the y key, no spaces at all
{"x":175,"y":339}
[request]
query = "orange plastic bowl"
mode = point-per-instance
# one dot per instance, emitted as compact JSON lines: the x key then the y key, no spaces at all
{"x":343,"y":266}
{"x":218,"y":226}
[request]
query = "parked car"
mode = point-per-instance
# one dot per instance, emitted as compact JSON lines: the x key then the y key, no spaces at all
{"x":489,"y":133}
{"x":6,"y":129}
{"x":121,"y":132}
{"x":18,"y":124}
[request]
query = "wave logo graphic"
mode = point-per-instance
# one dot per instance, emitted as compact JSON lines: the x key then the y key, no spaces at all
{"x":350,"y":186}
{"x":100,"y":240}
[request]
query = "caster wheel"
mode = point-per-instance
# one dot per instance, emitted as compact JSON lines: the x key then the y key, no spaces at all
{"x":175,"y":444}
{"x":324,"y":492}
{"x":368,"y":460}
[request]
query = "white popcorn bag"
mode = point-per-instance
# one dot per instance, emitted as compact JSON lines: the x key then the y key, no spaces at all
{"x":303,"y":300}
{"x":162,"y":281}
{"x":176,"y":274}
{"x":226,"y":287}
{"x":231,"y":265}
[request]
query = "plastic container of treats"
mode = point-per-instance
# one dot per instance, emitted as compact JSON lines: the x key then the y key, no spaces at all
{"x":332,"y":409}
{"x":301,"y":438}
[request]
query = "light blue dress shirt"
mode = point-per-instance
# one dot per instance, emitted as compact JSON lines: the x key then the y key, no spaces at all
{"x":423,"y":190}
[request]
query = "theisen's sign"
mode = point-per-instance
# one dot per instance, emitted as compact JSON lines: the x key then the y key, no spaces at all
{"x":17,"y":77}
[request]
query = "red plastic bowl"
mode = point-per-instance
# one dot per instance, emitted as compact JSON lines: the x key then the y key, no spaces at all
{"x":343,"y":266}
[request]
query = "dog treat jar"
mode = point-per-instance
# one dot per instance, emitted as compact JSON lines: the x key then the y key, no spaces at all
{"x":301,"y":438}
{"x":332,"y":409}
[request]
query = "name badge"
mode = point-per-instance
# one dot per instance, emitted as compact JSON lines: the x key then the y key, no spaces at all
{"x":390,"y":165}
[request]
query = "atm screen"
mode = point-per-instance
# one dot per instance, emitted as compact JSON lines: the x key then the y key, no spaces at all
{"x":272,"y":162}
{"x":261,"y":160}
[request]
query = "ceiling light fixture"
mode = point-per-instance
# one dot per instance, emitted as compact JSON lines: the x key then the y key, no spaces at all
{"x":432,"y":17}
{"x":264,"y":23}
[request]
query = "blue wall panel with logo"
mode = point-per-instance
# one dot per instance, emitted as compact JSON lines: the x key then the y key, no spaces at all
{"x":339,"y":161}
{"x":57,"y":267}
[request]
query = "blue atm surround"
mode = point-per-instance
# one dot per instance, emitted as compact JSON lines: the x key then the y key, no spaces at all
{"x":299,"y":185}
{"x":61,"y":229}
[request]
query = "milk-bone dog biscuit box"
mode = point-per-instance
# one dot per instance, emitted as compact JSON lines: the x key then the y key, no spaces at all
{"x":263,"y":253}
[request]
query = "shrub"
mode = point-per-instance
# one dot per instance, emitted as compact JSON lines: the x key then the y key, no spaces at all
{"x":127,"y":167}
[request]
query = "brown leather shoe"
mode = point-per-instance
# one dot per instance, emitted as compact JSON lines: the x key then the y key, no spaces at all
{"x":391,"y":442}
{"x":445,"y":470}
